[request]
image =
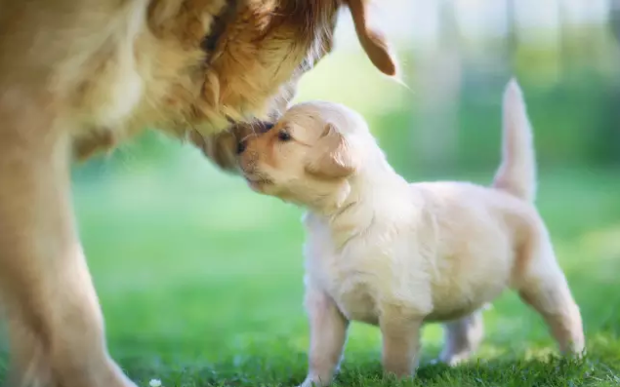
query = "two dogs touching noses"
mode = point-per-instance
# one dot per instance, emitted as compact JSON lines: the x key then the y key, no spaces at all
{"x":398,"y":255}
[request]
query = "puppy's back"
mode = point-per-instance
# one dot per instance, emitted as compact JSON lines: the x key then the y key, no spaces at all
{"x":473,"y":219}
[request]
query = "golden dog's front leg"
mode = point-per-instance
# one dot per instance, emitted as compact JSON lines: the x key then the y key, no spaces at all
{"x":54,"y":320}
{"x":401,"y":342}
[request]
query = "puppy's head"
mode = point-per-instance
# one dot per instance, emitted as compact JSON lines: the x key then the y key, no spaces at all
{"x":308,"y":156}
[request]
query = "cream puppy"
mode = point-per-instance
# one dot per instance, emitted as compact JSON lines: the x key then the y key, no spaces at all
{"x":397,"y":255}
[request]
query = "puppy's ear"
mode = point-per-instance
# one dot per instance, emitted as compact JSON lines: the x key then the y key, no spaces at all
{"x":332,"y":157}
{"x":372,"y":40}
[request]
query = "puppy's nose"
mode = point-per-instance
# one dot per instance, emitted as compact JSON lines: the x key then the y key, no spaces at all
{"x":241,"y":145}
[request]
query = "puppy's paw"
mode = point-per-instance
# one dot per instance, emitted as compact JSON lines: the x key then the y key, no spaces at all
{"x":576,"y":352}
{"x":453,"y":359}
{"x":315,"y":382}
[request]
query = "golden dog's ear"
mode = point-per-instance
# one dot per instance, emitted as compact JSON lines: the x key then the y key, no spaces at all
{"x":331,"y":156}
{"x":373,"y":41}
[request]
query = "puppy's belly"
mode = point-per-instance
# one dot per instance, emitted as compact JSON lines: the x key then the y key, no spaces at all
{"x":358,"y":306}
{"x":452,"y":314}
{"x":447,"y":308}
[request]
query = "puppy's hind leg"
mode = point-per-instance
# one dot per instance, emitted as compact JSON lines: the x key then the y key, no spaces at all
{"x":543,"y":286}
{"x":462,"y":338}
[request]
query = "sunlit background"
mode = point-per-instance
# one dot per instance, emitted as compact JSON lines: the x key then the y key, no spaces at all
{"x":194,"y":270}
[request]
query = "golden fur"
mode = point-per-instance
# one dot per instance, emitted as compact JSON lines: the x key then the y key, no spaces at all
{"x":398,"y":255}
{"x":79,"y":76}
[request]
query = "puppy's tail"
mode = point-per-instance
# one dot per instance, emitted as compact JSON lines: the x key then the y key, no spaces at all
{"x":517,"y":173}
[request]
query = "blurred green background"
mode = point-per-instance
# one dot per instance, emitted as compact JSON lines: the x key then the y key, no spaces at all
{"x":201,"y":279}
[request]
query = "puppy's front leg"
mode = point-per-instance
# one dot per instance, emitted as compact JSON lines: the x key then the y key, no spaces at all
{"x":328,"y":329}
{"x":401,"y":342}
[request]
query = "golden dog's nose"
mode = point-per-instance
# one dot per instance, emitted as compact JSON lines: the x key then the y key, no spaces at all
{"x":265,"y":127}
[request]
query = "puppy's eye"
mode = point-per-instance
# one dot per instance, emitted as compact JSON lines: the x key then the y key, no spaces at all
{"x":284,"y":136}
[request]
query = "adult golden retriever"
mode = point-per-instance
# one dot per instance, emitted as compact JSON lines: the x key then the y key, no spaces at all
{"x":77,"y":76}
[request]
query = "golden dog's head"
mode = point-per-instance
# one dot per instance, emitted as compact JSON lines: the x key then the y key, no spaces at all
{"x":308,"y":156}
{"x":196,"y":67}
{"x":256,"y":58}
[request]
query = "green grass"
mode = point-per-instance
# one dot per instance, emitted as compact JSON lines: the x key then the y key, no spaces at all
{"x":201,"y":284}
